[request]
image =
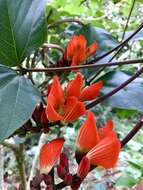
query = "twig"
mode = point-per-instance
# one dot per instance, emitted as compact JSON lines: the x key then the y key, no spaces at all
{"x":132,"y":133}
{"x":87,"y":66}
{"x":64,"y":21}
{"x":115,"y":90}
{"x":54,"y":46}
{"x":13,"y":147}
{"x":128,"y":19}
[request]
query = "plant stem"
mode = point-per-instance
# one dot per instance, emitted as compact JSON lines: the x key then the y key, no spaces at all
{"x":128,"y":19}
{"x":87,"y":66}
{"x":20,"y":162}
{"x":132,"y":133}
{"x":115,"y":90}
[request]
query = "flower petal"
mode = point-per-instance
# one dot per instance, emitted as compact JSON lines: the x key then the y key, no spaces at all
{"x":88,"y":134}
{"x":103,"y":131}
{"x":83,"y":167}
{"x":76,"y":49}
{"x":91,"y":92}
{"x":106,"y":152}
{"x":73,"y":109}
{"x":71,"y":48}
{"x":51,"y":113}
{"x":49,"y":154}
{"x":56,"y":91}
{"x":91,"y":49}
{"x":74,"y":86}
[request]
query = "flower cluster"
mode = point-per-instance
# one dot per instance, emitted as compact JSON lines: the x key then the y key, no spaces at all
{"x":94,"y":146}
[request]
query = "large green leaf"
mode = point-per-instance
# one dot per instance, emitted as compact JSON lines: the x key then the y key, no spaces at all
{"x":22,"y":29}
{"x":104,"y":39}
{"x":131,"y":97}
{"x":18,"y":98}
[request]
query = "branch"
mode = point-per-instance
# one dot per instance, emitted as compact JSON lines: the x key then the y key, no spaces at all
{"x":64,"y":21}
{"x":87,"y":66}
{"x":115,"y":90}
{"x":20,"y":162}
{"x":132,"y":133}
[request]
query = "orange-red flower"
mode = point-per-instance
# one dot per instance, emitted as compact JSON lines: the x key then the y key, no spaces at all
{"x":101,"y":146}
{"x":49,"y":154}
{"x":67,"y":104}
{"x":76,"y":50}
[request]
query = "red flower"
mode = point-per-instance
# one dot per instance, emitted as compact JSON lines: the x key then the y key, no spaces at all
{"x":67,"y":105}
{"x":101,"y":146}
{"x":49,"y":154}
{"x":76,"y":50}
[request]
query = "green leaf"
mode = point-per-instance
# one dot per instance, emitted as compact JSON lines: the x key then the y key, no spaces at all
{"x":18,"y":98}
{"x":129,"y":97}
{"x":104,"y":39}
{"x":126,"y":181}
{"x":22,"y":29}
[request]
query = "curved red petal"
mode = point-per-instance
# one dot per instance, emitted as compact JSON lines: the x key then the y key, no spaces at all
{"x":83,"y":167}
{"x":49,"y":154}
{"x":56,"y":93}
{"x":71,"y":47}
{"x":51,"y":113}
{"x":88,"y":134}
{"x":106,"y":152}
{"x":103,"y":131}
{"x":73,"y":109}
{"x":91,"y":92}
{"x":91,"y":49}
{"x":74,"y":86}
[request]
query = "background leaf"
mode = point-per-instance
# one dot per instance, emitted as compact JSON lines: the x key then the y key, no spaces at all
{"x":18,"y":98}
{"x":22,"y":29}
{"x":128,"y":98}
{"x":126,"y":181}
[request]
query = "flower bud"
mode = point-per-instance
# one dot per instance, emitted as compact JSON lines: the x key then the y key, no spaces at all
{"x":75,"y":185}
{"x":64,"y":161}
{"x":43,"y":120}
{"x":61,"y":171}
{"x":37,"y":113}
{"x":68,"y":178}
{"x":47,"y":179}
{"x":49,"y":187}
{"x":83,"y":167}
{"x":36,"y":180}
